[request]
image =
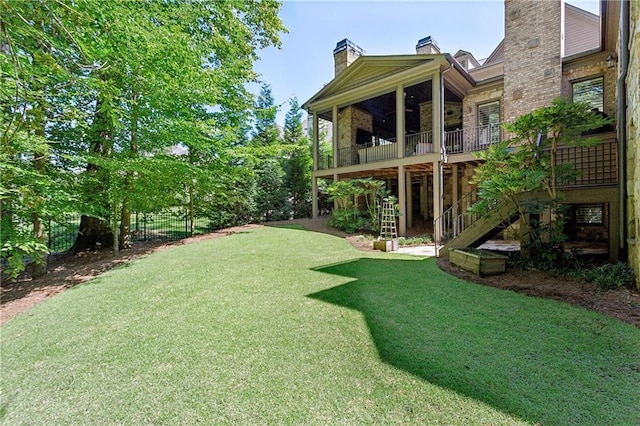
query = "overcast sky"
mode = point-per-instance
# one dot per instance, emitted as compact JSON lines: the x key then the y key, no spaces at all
{"x":305,"y":62}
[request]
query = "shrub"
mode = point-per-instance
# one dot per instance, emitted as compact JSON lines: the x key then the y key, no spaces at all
{"x":609,"y":276}
{"x":415,"y":241}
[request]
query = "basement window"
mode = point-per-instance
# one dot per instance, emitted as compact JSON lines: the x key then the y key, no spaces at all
{"x":589,"y":214}
{"x":590,"y":91}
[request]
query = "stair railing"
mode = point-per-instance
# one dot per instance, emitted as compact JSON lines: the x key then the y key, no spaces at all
{"x":455,"y":219}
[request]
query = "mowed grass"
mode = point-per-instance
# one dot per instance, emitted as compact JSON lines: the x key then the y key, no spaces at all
{"x":284,"y":326}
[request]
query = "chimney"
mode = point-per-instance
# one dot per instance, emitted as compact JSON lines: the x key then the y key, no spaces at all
{"x":427,"y":45}
{"x":344,"y":54}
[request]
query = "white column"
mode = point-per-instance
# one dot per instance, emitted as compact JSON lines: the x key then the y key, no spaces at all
{"x":437,"y":201}
{"x":402,"y":202}
{"x":400,"y":119}
{"x":455,"y":196}
{"x":316,"y":140}
{"x":409,"y":201}
{"x":334,"y":118}
{"x":437,"y":114}
{"x":424,"y":193}
{"x":314,"y":197}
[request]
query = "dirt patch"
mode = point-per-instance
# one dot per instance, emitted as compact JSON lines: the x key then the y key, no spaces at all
{"x":622,"y":303}
{"x":68,"y":271}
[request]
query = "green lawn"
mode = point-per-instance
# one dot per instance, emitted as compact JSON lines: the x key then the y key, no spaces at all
{"x":284,"y":326}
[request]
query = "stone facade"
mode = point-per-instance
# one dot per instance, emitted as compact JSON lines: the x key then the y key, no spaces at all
{"x":472,"y":100}
{"x":350,"y":120}
{"x":344,"y":54}
{"x":600,"y":68}
{"x":452,"y":115}
{"x":633,"y":141}
{"x":533,"y":72}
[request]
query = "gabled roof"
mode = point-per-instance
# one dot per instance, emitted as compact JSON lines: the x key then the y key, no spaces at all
{"x":371,"y":69}
{"x":463,"y":53}
{"x":367,"y":69}
{"x":497,"y":55}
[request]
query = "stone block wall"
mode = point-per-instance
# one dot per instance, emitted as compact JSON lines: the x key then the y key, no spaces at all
{"x":452,"y":115}
{"x":581,"y":72}
{"x":633,"y":141}
{"x":533,"y":71}
{"x":426,"y":116}
{"x":472,"y":100}
{"x":350,"y":120}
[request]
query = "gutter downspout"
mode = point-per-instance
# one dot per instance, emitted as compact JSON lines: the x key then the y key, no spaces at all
{"x":622,"y":125}
{"x":437,"y":221}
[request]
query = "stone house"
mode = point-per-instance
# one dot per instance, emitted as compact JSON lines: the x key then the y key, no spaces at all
{"x":415,"y":121}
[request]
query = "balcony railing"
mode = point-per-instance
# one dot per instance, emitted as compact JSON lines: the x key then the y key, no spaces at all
{"x":592,"y":166}
{"x":456,"y":142}
{"x":472,"y":139}
{"x":418,"y":143}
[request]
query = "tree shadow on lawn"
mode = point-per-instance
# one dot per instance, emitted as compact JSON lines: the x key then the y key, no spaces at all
{"x":540,"y":360}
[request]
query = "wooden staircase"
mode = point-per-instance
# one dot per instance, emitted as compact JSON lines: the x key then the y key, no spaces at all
{"x":482,"y":229}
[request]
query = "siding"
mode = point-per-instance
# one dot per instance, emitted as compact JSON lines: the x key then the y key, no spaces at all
{"x":581,"y":31}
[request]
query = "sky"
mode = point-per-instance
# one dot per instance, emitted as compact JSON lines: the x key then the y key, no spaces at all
{"x":304,"y":64}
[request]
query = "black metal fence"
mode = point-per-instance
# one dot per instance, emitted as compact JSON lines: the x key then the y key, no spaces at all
{"x":164,"y":226}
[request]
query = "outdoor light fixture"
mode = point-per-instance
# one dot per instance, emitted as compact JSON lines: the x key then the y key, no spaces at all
{"x":611,"y":60}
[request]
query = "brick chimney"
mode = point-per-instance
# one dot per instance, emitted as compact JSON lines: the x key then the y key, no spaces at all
{"x":427,"y":45}
{"x":344,"y":54}
{"x":532,"y":44}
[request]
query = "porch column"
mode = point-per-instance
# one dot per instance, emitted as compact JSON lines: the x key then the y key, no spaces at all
{"x":424,"y":194}
{"x":402,"y":202}
{"x":409,"y":201}
{"x":316,"y":140}
{"x":400,"y":119}
{"x":334,"y":118}
{"x":437,"y":113}
{"x":314,"y":197}
{"x":437,"y":201}
{"x":335,"y":179}
{"x":455,"y":196}
{"x":316,"y":153}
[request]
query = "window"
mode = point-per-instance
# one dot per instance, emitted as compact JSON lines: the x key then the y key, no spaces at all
{"x":489,"y":116}
{"x":590,"y":91}
{"x":589,"y":214}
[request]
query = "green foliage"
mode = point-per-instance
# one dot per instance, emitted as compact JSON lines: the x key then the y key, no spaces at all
{"x":357,"y":204}
{"x":526,"y":164}
{"x":271,"y":193}
{"x":94,"y":95}
{"x":415,"y":241}
{"x":299,"y":163}
{"x":609,"y":276}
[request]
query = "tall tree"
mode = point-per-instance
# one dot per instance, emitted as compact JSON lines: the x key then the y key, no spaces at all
{"x":118,"y":84}
{"x":299,"y":162}
{"x":266,"y":131}
{"x":38,"y":58}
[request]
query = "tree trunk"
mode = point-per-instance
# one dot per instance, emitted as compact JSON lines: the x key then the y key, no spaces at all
{"x":125,"y":215}
{"x":39,"y":264}
{"x":192,"y":213}
{"x":95,"y":233}
{"x":125,"y":225}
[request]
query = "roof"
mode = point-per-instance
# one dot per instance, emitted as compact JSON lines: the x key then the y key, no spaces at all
{"x":370,"y":69}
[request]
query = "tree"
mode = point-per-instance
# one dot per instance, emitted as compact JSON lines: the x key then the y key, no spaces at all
{"x":113,"y":86}
{"x":527,"y":164}
{"x":298,"y":165}
{"x":266,"y":132}
{"x":38,"y":57}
